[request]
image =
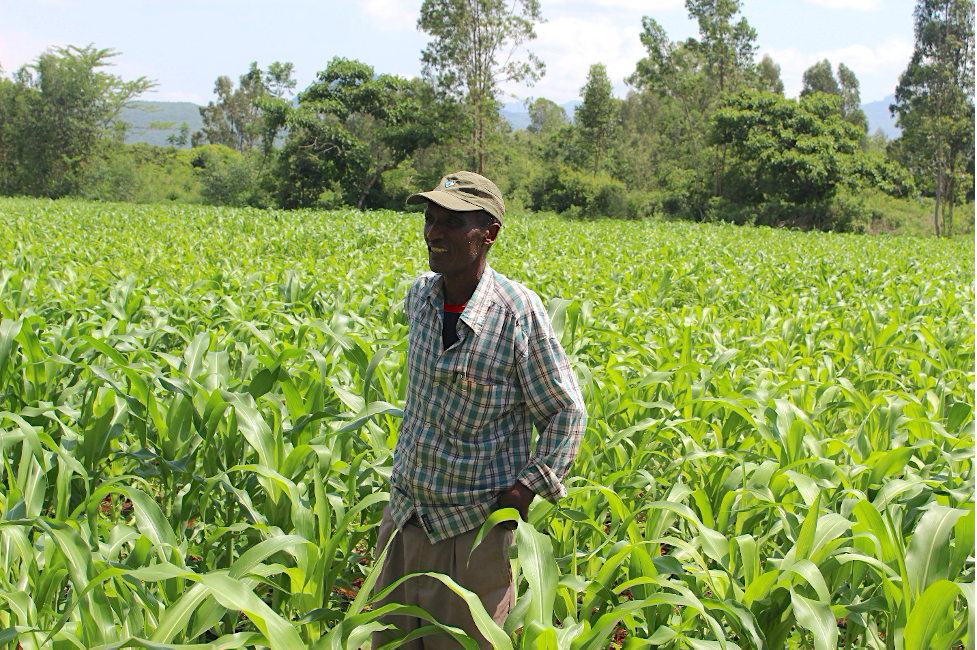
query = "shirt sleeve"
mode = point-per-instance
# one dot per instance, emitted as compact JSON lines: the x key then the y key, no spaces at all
{"x":556,"y":404}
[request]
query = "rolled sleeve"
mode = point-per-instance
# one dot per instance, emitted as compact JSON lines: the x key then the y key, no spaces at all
{"x":556,"y":404}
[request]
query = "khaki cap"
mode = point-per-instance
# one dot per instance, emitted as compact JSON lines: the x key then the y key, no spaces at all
{"x":464,"y":192}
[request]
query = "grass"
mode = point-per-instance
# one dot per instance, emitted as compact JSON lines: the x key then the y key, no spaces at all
{"x":198,"y":408}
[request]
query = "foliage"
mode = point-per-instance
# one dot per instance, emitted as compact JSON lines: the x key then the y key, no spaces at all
{"x":472,"y":51}
{"x":580,"y":195}
{"x":935,"y":103}
{"x":350,"y":127}
{"x":768,"y":76}
{"x":820,"y":79}
{"x":698,"y":74}
{"x":597,"y":116}
{"x":545,"y":116}
{"x":143,"y":173}
{"x":55,"y":115}
{"x":236,"y":119}
{"x":793,"y":156}
{"x":198,"y":407}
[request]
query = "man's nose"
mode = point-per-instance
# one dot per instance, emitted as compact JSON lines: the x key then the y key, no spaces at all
{"x":432,"y":232}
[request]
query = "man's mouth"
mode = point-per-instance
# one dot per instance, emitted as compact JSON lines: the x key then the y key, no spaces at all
{"x":437,"y":250}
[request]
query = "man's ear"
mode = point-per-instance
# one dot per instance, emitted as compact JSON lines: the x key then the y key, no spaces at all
{"x":492,"y":232}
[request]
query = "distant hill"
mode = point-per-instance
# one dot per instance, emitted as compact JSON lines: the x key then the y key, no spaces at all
{"x":515,"y":113}
{"x":879,"y":117}
{"x":141,"y":114}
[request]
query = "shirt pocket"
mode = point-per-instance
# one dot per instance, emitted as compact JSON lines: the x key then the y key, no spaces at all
{"x":469,"y":406}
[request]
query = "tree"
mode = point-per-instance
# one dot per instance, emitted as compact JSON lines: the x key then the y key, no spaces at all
{"x":768,"y":73}
{"x":851,"y":100}
{"x":236,"y":118}
{"x":697,"y":73}
{"x":280,"y":80}
{"x":597,"y":116}
{"x":56,"y":114}
{"x":935,"y":100}
{"x":350,"y":127}
{"x":545,"y":116}
{"x":795,"y":154}
{"x":819,"y":78}
{"x":728,"y":45}
{"x":473,"y":49}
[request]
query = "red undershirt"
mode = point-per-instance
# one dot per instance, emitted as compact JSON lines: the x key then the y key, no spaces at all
{"x":449,"y":327}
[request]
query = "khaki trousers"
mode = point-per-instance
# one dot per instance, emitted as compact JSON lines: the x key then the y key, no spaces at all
{"x":488,"y":574}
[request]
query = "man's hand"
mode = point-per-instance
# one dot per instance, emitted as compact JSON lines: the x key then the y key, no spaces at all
{"x":519,"y":497}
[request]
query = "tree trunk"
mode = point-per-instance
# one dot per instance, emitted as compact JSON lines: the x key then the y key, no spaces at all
{"x":695,"y":155}
{"x":939,"y":192}
{"x":370,"y":183}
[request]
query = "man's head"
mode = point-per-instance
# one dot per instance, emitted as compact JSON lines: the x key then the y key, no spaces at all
{"x":461,"y":222}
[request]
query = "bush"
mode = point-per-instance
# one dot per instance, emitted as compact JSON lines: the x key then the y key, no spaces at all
{"x":142,"y":173}
{"x":581,"y":195}
{"x":227,"y":177}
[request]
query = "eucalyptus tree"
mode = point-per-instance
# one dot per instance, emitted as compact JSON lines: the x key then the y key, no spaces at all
{"x":235,"y":119}
{"x":820,"y":78}
{"x":768,"y":75}
{"x":477,"y":45}
{"x":935,"y":101}
{"x":598,"y":115}
{"x":697,"y":73}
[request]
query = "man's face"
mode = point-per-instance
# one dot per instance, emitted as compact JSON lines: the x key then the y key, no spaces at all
{"x":457,"y":242}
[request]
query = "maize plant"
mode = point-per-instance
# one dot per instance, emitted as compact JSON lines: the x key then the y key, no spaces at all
{"x":198,"y":408}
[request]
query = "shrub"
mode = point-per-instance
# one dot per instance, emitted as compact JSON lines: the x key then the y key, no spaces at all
{"x":580,"y":195}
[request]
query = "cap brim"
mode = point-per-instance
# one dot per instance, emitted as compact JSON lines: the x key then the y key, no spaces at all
{"x":447,"y":200}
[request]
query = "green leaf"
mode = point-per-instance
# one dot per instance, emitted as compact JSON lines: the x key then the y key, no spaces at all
{"x":930,"y":614}
{"x":928,"y":555}
{"x":817,"y":617}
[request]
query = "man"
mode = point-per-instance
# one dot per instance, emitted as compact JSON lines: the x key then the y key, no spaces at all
{"x":483,"y":366}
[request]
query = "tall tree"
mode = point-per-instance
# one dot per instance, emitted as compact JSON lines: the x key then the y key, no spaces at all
{"x":768,"y":72}
{"x":728,"y":44}
{"x":697,"y":73}
{"x":234,"y":119}
{"x":56,"y":114}
{"x":819,"y":78}
{"x":935,"y":98}
{"x":597,"y":116}
{"x":851,"y":98}
{"x":475,"y":46}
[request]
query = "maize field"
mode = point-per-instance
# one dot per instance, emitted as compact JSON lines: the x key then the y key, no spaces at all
{"x":198,"y":408}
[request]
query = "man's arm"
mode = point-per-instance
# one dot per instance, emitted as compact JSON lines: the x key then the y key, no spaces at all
{"x":557,"y":407}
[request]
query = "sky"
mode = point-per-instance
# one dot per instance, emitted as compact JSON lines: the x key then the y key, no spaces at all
{"x":185,"y":45}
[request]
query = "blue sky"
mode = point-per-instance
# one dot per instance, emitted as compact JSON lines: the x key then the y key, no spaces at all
{"x":185,"y":45}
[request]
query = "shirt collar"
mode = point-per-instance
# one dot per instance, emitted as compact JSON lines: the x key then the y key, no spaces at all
{"x":477,"y":307}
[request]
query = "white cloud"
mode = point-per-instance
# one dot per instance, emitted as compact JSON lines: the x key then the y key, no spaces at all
{"x":569,"y":45}
{"x":391,"y":15}
{"x":875,"y":67}
{"x":856,"y":5}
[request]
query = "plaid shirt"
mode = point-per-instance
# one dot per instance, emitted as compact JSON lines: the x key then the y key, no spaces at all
{"x":467,"y":433}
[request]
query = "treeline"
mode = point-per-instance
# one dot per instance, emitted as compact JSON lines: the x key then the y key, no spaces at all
{"x":705,"y":132}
